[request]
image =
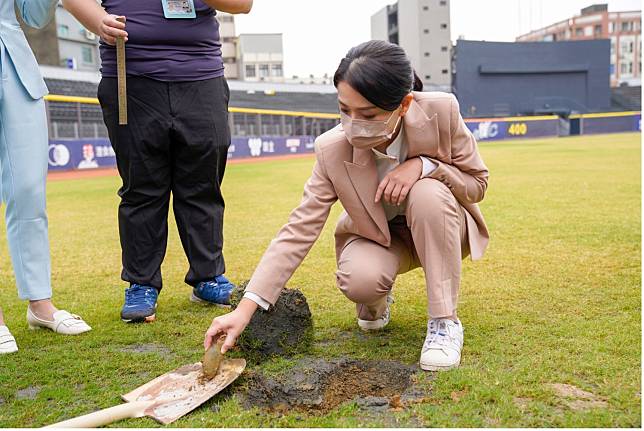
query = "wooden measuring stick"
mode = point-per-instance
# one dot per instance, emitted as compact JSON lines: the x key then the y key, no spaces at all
{"x":121,"y":78}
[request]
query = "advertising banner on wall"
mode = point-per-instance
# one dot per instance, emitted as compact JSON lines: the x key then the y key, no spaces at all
{"x":506,"y":128}
{"x":67,"y":155}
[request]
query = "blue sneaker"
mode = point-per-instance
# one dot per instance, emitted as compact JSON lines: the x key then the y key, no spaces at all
{"x":140,"y":304}
{"x":215,"y":292}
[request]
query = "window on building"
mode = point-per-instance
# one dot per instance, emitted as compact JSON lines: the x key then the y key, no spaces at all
{"x":425,"y":7}
{"x":87,"y":55}
{"x":588,"y":30}
{"x":630,"y":67}
{"x":443,"y":26}
{"x":598,"y":30}
{"x":264,"y":70}
{"x":427,"y":54}
{"x":426,"y":31}
{"x":276,"y":70}
{"x":251,"y":71}
{"x":444,"y":71}
{"x":444,"y":48}
{"x":623,"y":67}
{"x":63,"y":30}
{"x":428,"y":77}
{"x":579,"y":31}
{"x":443,"y":2}
{"x":626,"y":26}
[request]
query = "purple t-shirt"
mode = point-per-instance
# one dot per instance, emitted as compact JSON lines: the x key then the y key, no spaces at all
{"x":165,"y":49}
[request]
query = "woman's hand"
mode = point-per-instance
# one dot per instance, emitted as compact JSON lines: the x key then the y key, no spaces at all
{"x":110,"y":28}
{"x":231,"y":325}
{"x":395,"y":186}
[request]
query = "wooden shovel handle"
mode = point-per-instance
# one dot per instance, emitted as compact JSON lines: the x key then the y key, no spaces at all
{"x":131,"y":410}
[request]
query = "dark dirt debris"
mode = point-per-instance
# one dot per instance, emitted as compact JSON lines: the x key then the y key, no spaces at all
{"x":28,"y":393}
{"x":317,"y":386}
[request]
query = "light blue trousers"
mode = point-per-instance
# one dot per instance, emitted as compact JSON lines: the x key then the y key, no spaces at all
{"x":23,"y":168}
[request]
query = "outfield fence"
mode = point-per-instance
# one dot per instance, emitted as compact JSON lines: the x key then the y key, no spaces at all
{"x":79,"y":140}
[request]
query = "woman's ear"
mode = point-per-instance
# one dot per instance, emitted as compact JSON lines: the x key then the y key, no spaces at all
{"x":406,"y":103}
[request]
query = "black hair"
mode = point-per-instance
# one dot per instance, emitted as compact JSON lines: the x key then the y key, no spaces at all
{"x":380,"y":71}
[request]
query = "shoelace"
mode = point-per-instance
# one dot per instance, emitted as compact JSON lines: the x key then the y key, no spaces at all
{"x":435,"y":336}
{"x":138,"y":296}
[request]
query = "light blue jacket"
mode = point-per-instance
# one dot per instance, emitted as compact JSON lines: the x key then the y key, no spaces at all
{"x":36,"y":13}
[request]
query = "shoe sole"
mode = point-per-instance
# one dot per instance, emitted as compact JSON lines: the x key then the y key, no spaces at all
{"x":148,"y":319}
{"x":439,"y":367}
{"x":366,"y":325}
{"x":197,"y":300}
{"x":37,"y":328}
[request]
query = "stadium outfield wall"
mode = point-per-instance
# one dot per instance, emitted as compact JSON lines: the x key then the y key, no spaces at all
{"x":72,"y":154}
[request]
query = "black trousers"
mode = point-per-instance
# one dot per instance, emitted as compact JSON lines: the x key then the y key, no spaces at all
{"x":176,"y":142}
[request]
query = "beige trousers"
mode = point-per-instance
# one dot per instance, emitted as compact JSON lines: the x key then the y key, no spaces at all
{"x":432,"y":234}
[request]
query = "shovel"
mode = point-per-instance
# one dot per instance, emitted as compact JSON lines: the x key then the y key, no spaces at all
{"x":166,"y":398}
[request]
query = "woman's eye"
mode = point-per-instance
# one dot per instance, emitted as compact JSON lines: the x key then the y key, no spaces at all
{"x":369,"y":117}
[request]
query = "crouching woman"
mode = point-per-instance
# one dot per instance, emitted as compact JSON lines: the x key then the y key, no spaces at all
{"x":409,"y":176}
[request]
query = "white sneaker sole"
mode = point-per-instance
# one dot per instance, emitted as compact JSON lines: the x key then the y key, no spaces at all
{"x":8,"y":349}
{"x":194,"y":298}
{"x":430,"y":367}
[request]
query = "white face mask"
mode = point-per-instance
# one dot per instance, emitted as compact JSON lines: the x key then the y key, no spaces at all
{"x":367,"y":134}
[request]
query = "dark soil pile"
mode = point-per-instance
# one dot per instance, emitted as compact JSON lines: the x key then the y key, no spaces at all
{"x":285,"y":329}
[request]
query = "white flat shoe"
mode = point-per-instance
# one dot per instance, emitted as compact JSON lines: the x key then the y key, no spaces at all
{"x":7,"y":342}
{"x":63,"y":323}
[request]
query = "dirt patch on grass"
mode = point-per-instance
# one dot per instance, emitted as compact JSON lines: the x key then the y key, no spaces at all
{"x":286,"y":328}
{"x":148,"y":348}
{"x":28,"y":393}
{"x":522,"y":403}
{"x":578,"y":399}
{"x":316,"y":386}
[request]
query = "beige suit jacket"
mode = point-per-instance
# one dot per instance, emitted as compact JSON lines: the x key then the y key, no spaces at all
{"x":433,"y":128}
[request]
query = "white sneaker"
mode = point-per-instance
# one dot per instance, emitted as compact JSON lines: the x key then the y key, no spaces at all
{"x":375,"y":325}
{"x":63,"y":323}
{"x":443,"y":344}
{"x":7,"y":342}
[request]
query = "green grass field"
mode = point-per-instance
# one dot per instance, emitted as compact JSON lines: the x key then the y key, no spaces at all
{"x":556,"y":300}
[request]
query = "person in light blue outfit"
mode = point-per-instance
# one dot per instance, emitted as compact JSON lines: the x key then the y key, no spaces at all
{"x":23,"y":170}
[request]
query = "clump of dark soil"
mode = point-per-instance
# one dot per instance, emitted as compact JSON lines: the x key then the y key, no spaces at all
{"x":317,"y":386}
{"x":285,"y":329}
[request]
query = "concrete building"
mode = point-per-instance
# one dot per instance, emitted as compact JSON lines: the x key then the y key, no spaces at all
{"x":261,"y":57}
{"x":228,"y":37}
{"x":596,"y":22}
{"x":422,"y":29}
{"x":65,"y":42}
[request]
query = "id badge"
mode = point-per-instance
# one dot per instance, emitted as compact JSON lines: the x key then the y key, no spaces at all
{"x":177,"y":9}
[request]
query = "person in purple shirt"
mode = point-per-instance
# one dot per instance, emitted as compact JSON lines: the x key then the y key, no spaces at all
{"x":176,"y":140}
